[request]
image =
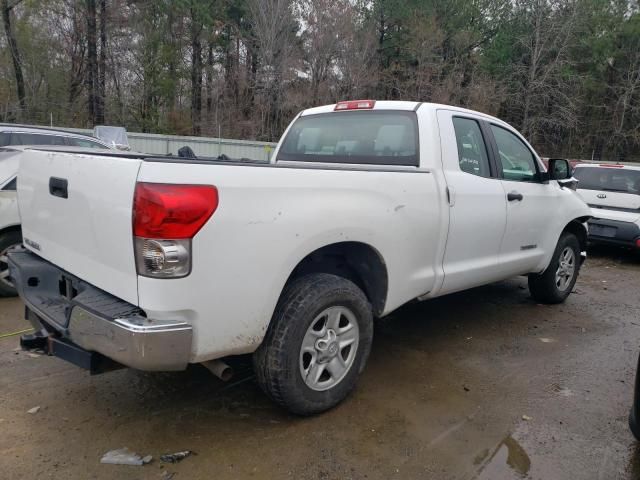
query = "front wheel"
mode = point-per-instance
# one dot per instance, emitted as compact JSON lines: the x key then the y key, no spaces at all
{"x":556,"y":283}
{"x":8,"y":240}
{"x":317,"y":344}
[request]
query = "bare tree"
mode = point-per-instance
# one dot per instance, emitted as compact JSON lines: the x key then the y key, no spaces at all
{"x":196,"y":70}
{"x":102,"y":63}
{"x":91,"y":78}
{"x":274,"y":28}
{"x":545,"y":95}
{"x":626,"y":132}
{"x":7,"y":6}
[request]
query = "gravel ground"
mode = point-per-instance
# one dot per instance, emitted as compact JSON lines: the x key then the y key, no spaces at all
{"x":484,"y":384}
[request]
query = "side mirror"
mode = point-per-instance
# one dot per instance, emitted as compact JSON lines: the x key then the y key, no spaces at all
{"x":559,"y":169}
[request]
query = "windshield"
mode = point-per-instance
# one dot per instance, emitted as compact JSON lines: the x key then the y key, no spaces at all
{"x":609,"y":179}
{"x":373,"y":137}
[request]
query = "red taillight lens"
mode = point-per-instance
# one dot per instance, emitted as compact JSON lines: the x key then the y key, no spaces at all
{"x":167,"y":211}
{"x":638,"y":242}
{"x":355,"y":105}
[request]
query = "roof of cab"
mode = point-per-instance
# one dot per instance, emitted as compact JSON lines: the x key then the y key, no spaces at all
{"x":402,"y":105}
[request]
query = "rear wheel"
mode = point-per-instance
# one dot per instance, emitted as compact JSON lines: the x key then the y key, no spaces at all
{"x":556,"y":283}
{"x":317,"y":344}
{"x":8,"y":240}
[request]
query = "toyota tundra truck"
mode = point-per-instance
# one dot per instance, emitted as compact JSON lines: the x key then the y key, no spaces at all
{"x":160,"y":262}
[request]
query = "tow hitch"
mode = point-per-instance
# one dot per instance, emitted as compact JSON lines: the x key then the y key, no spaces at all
{"x":64,"y":349}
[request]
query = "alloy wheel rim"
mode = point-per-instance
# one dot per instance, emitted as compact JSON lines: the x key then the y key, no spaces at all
{"x":566,"y":269}
{"x":4,"y":267}
{"x":329,"y":348}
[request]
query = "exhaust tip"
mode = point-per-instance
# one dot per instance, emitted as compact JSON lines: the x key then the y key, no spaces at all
{"x":220,"y":369}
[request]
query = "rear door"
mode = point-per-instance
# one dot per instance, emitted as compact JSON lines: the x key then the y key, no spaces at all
{"x":477,"y":204}
{"x":530,"y":202}
{"x":76,"y":212}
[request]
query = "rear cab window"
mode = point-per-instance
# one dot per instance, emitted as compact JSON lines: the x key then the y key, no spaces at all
{"x":384,"y":137}
{"x":608,"y":179}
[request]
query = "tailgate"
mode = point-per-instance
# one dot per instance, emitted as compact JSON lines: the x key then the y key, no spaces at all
{"x":76,"y":211}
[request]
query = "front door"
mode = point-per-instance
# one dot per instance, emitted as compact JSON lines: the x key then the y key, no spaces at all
{"x":530,"y":202}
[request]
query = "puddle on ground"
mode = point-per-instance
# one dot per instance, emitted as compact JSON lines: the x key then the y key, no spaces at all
{"x":508,"y":461}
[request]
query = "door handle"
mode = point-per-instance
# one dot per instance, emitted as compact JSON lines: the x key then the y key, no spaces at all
{"x":58,"y":187}
{"x":514,"y":196}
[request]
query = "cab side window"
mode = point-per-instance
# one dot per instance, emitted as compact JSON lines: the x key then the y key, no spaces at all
{"x":514,"y":158}
{"x":472,"y":151}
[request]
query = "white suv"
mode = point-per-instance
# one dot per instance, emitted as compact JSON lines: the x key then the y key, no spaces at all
{"x":613,"y":193}
{"x":12,"y":135}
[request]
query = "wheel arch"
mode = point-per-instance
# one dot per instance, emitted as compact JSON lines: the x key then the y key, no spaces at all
{"x":11,"y":228}
{"x":576,"y":226}
{"x":357,"y":261}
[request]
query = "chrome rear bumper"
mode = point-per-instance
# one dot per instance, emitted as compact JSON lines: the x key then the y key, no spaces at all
{"x":135,"y":341}
{"x":68,"y":308}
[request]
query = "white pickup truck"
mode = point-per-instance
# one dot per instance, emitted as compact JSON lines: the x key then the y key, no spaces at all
{"x":158,"y":263}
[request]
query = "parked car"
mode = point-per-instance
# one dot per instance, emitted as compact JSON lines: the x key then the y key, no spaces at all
{"x":9,"y":219}
{"x":613,"y":193}
{"x":12,"y":134}
{"x":159,"y":262}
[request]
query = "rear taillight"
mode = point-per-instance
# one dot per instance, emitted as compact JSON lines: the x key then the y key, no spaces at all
{"x":165,"y":219}
{"x":172,"y":211}
{"x":638,"y":242}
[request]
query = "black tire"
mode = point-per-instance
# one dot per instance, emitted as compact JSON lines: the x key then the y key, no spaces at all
{"x":7,"y":240}
{"x":633,"y":426}
{"x":543,"y":286}
{"x":277,"y":360}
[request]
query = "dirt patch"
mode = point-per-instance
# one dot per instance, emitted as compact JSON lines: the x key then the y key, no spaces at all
{"x":445,"y":395}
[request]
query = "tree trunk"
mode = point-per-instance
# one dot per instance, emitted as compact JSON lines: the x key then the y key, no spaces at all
{"x":102,"y":63}
{"x":91,"y":79}
{"x":15,"y":54}
{"x":209,"y":86}
{"x":196,"y":74}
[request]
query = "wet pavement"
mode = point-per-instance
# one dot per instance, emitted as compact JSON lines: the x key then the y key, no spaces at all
{"x":484,"y":384}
